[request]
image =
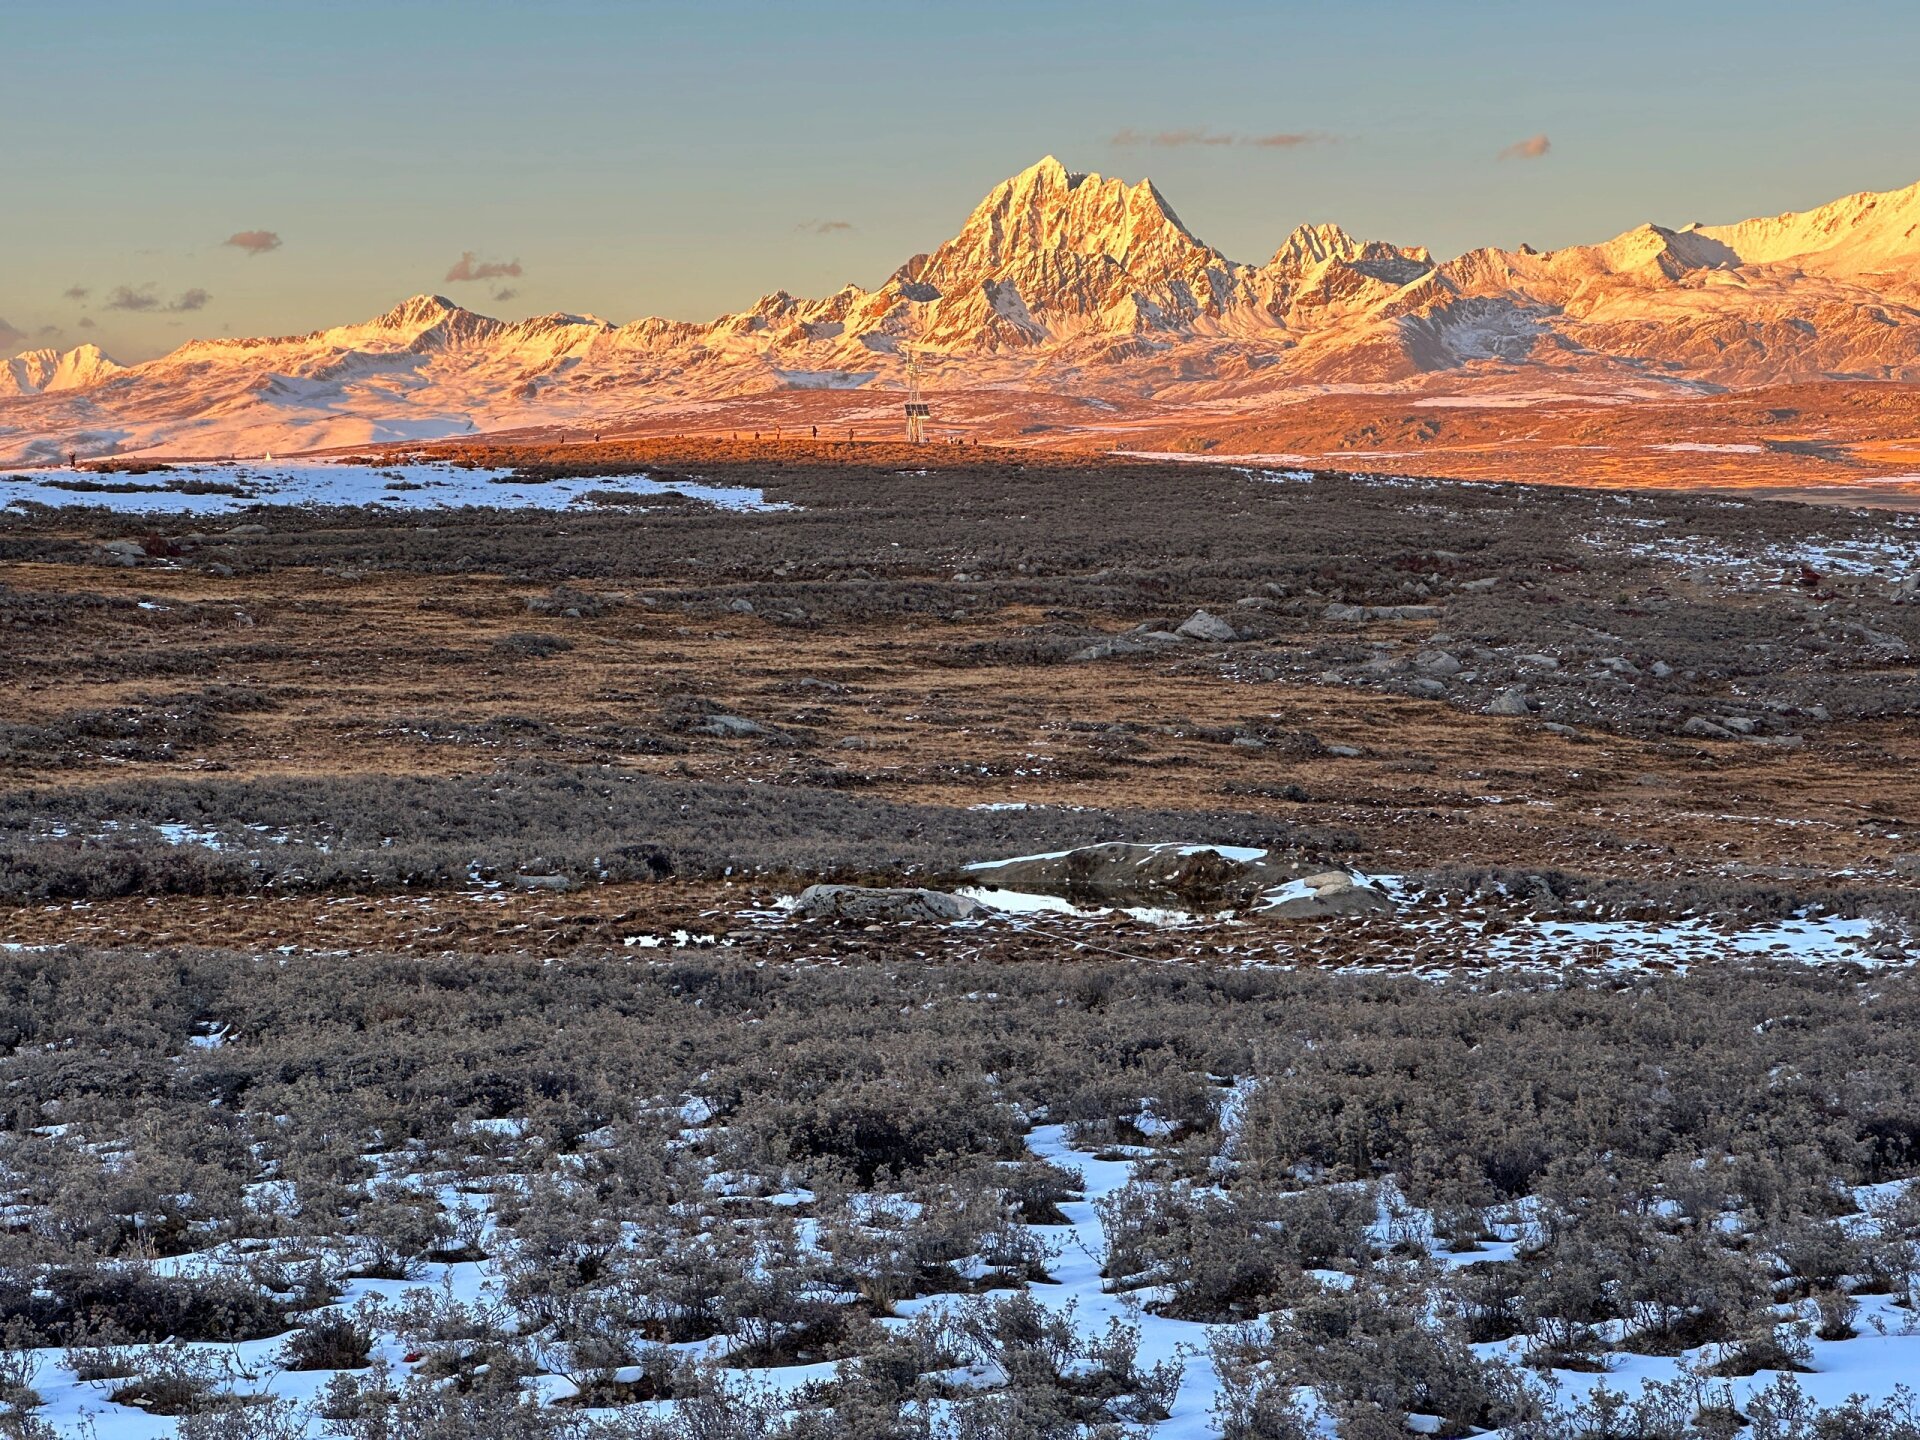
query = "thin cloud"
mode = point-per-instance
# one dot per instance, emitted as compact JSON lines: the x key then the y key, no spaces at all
{"x":76,"y":292}
{"x":506,"y":292}
{"x":823,"y":227}
{"x":254,"y":242}
{"x":1169,"y":139}
{"x":125,"y":297}
{"x":1531,"y":148}
{"x":142,"y":299}
{"x":10,"y":336}
{"x":1180,"y":139}
{"x":86,"y":322}
{"x":471,"y":267}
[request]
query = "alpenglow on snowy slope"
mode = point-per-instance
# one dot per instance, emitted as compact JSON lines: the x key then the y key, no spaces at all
{"x":1056,"y":279}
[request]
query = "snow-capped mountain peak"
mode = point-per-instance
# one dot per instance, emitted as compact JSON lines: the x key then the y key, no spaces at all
{"x":1056,"y":276}
{"x":41,"y":372}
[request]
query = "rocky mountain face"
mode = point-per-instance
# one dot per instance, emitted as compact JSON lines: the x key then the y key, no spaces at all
{"x":1056,"y":281}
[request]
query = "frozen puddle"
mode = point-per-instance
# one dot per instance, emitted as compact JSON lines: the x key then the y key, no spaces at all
{"x":219,"y":489}
{"x":1152,"y":883}
{"x":1016,"y":901}
{"x":1027,"y":903}
{"x":1245,"y":854}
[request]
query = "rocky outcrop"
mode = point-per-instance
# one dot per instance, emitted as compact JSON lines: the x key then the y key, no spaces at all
{"x":1324,"y":896}
{"x":1191,"y":877}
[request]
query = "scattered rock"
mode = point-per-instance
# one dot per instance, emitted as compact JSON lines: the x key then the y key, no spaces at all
{"x":1135,"y":643}
{"x":1705,"y":729}
{"x":1204,"y":626}
{"x":729,"y":727}
{"x":1437,"y":662}
{"x":740,"y":607}
{"x":869,"y":903}
{"x":1512,"y":701}
{"x":1349,"y":613}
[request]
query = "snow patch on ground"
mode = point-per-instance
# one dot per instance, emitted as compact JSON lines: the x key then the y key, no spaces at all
{"x":396,"y":487}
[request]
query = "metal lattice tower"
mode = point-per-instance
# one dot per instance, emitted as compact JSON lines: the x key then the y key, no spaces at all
{"x":918,"y":411}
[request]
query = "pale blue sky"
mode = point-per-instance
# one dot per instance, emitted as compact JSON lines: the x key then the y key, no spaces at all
{"x":671,"y":158}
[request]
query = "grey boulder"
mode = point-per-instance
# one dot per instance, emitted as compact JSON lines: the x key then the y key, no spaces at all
{"x":871,"y":904}
{"x":1204,"y":626}
{"x":1509,"y":702}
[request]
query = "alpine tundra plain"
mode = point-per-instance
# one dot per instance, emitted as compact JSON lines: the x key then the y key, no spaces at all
{"x":1320,"y":949}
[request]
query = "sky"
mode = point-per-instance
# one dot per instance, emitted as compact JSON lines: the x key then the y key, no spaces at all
{"x":201,"y":167}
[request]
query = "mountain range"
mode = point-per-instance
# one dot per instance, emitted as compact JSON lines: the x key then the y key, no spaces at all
{"x":1059,"y":284}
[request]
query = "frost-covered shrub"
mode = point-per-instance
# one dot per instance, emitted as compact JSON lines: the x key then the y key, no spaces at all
{"x":1055,"y":1377}
{"x":1372,"y":1350}
{"x":424,"y":1409}
{"x":1218,"y":1257}
{"x":248,"y":1418}
{"x":399,"y":1228}
{"x":331,"y":1342}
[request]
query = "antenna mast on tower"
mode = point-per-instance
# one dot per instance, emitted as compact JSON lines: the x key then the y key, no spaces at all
{"x":918,"y":411}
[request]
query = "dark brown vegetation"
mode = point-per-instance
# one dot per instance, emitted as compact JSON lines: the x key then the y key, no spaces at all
{"x":909,"y":639}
